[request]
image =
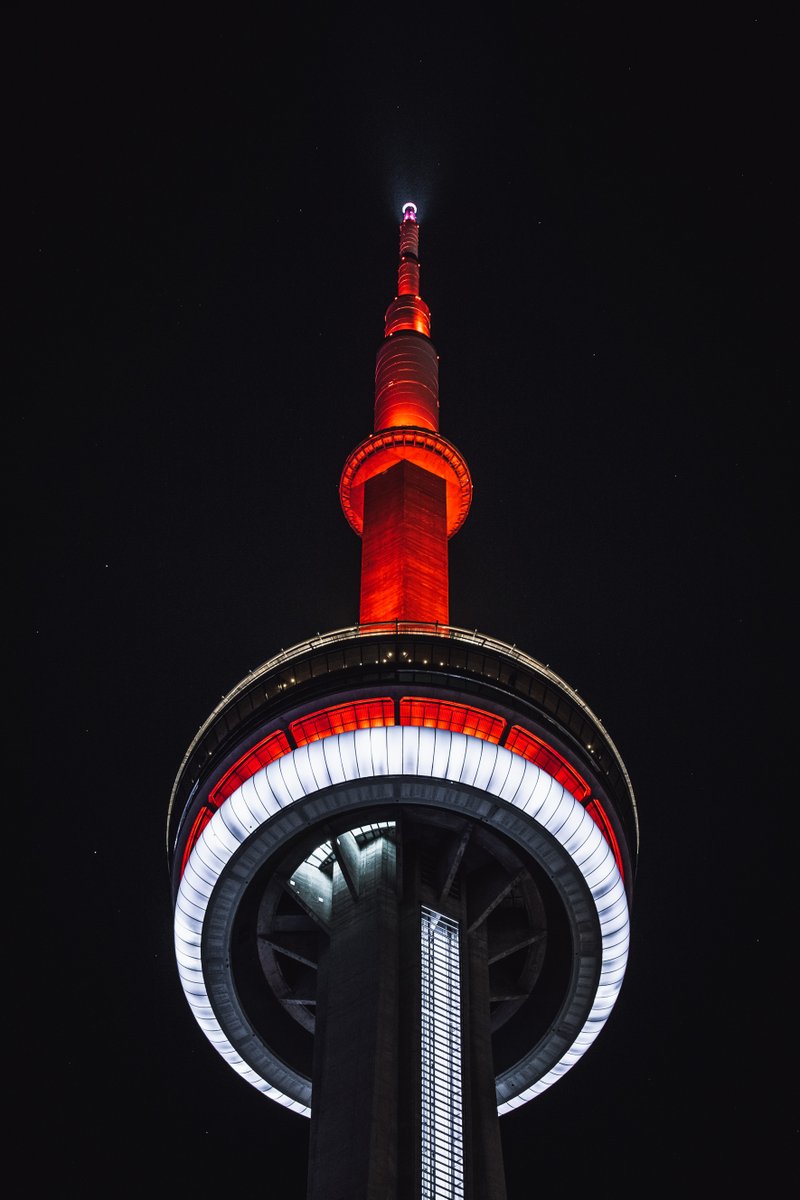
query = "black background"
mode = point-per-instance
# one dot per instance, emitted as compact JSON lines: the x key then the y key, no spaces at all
{"x":207,"y":241}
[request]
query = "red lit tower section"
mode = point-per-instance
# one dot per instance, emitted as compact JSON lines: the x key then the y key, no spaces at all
{"x":406,"y":490}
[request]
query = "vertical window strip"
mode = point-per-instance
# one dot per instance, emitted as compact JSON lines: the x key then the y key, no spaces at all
{"x":442,"y":1174}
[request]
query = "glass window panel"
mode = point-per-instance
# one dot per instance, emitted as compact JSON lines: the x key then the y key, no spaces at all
{"x":442,"y":1167}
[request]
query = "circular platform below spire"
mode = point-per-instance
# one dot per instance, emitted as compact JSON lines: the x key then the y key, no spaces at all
{"x":429,"y":450}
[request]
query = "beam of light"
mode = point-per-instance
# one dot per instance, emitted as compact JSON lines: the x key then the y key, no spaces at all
{"x":442,"y":1135}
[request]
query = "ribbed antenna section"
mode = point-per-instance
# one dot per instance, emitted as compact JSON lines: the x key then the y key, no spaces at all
{"x":407,"y":384}
{"x":407,"y":366}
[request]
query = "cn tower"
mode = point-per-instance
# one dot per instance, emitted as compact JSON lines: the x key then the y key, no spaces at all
{"x":402,"y":853}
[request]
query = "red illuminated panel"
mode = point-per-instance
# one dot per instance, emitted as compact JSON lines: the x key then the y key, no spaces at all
{"x":460,"y":718}
{"x":536,"y":751}
{"x":340,"y":718}
{"x":600,"y":819}
{"x":272,"y":747}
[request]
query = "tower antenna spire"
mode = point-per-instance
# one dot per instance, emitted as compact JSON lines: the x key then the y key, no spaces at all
{"x":405,"y":489}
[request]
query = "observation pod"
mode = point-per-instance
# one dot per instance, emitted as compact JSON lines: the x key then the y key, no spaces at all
{"x":402,"y":853}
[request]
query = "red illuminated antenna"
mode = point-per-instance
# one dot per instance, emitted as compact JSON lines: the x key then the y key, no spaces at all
{"x":406,"y":490}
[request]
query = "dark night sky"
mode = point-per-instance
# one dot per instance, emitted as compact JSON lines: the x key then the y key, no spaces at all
{"x":207,"y":242}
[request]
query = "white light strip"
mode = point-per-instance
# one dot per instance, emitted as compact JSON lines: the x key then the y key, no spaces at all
{"x":442,"y":1168}
{"x":402,"y":750}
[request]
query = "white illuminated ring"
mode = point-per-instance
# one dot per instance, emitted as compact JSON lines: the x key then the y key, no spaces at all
{"x":396,"y":751}
{"x":411,"y":205}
